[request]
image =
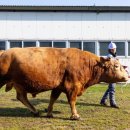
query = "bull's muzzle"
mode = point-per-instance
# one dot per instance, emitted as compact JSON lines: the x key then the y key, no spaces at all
{"x":125,"y":79}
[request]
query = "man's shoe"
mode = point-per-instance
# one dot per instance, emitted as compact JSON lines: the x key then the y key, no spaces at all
{"x":114,"y":106}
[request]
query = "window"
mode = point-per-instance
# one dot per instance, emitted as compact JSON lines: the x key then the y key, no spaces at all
{"x":104,"y":48}
{"x":46,"y":44}
{"x":29,"y":44}
{"x":89,"y":46}
{"x":15,"y":44}
{"x":120,"y":48}
{"x":75,"y":45}
{"x":59,"y":44}
{"x":2,"y":45}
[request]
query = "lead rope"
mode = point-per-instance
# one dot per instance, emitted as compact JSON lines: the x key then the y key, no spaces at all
{"x":126,"y":69}
{"x":123,"y":86}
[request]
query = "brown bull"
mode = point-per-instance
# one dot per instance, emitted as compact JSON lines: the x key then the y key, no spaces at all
{"x":34,"y":70}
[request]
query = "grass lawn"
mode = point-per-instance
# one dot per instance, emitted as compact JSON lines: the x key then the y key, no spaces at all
{"x":14,"y":115}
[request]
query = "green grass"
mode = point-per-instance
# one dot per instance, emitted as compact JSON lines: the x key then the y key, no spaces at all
{"x":15,"y":116}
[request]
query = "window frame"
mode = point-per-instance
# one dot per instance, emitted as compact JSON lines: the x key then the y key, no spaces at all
{"x":68,"y":43}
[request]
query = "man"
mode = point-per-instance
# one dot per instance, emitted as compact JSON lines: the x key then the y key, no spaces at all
{"x":111,"y":87}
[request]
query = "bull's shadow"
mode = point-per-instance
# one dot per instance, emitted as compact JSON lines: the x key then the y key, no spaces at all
{"x":21,"y":112}
{"x":36,"y":102}
{"x":15,"y":112}
{"x":61,"y":101}
{"x":24,"y":112}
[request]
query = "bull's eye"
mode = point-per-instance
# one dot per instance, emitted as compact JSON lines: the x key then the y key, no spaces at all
{"x":116,"y":66}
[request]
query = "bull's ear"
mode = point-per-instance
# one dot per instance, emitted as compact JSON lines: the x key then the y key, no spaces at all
{"x":103,"y":60}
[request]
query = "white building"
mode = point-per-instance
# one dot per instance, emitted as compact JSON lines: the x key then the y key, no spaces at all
{"x":63,"y":23}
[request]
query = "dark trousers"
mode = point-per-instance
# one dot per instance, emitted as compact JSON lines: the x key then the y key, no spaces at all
{"x":111,"y":93}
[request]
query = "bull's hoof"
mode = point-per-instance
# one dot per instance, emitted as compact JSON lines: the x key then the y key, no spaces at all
{"x":37,"y":114}
{"x":75,"y":117}
{"x":49,"y":116}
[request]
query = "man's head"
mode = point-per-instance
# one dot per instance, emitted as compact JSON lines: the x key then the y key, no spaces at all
{"x":112,"y":48}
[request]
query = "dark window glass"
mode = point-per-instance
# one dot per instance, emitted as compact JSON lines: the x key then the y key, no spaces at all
{"x":46,"y":44}
{"x":2,"y":45}
{"x":120,"y":48}
{"x":104,"y":48}
{"x":89,"y":46}
{"x":29,"y":44}
{"x":128,"y":48}
{"x":59,"y":44}
{"x":15,"y":44}
{"x":75,"y":45}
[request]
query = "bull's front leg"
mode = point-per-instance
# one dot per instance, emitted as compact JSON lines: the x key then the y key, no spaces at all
{"x":72,"y":101}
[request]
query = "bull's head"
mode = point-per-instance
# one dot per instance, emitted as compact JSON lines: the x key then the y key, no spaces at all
{"x":113,"y":71}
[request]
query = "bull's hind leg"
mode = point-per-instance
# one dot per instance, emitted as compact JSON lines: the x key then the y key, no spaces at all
{"x":22,"y":96}
{"x":54,"y":95}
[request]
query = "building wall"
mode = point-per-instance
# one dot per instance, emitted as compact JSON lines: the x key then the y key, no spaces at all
{"x":64,"y":26}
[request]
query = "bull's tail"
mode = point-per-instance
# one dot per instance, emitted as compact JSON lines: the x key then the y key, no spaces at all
{"x":5,"y":62}
{"x":2,"y":84}
{"x":8,"y":87}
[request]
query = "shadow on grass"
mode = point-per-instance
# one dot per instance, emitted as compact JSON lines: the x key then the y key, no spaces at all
{"x":20,"y":112}
{"x":36,"y":102}
{"x":15,"y":112}
{"x":24,"y":112}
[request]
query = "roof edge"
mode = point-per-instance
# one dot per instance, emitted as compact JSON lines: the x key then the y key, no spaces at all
{"x":67,"y":8}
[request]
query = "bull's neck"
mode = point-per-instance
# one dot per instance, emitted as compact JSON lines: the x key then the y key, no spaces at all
{"x":96,"y":74}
